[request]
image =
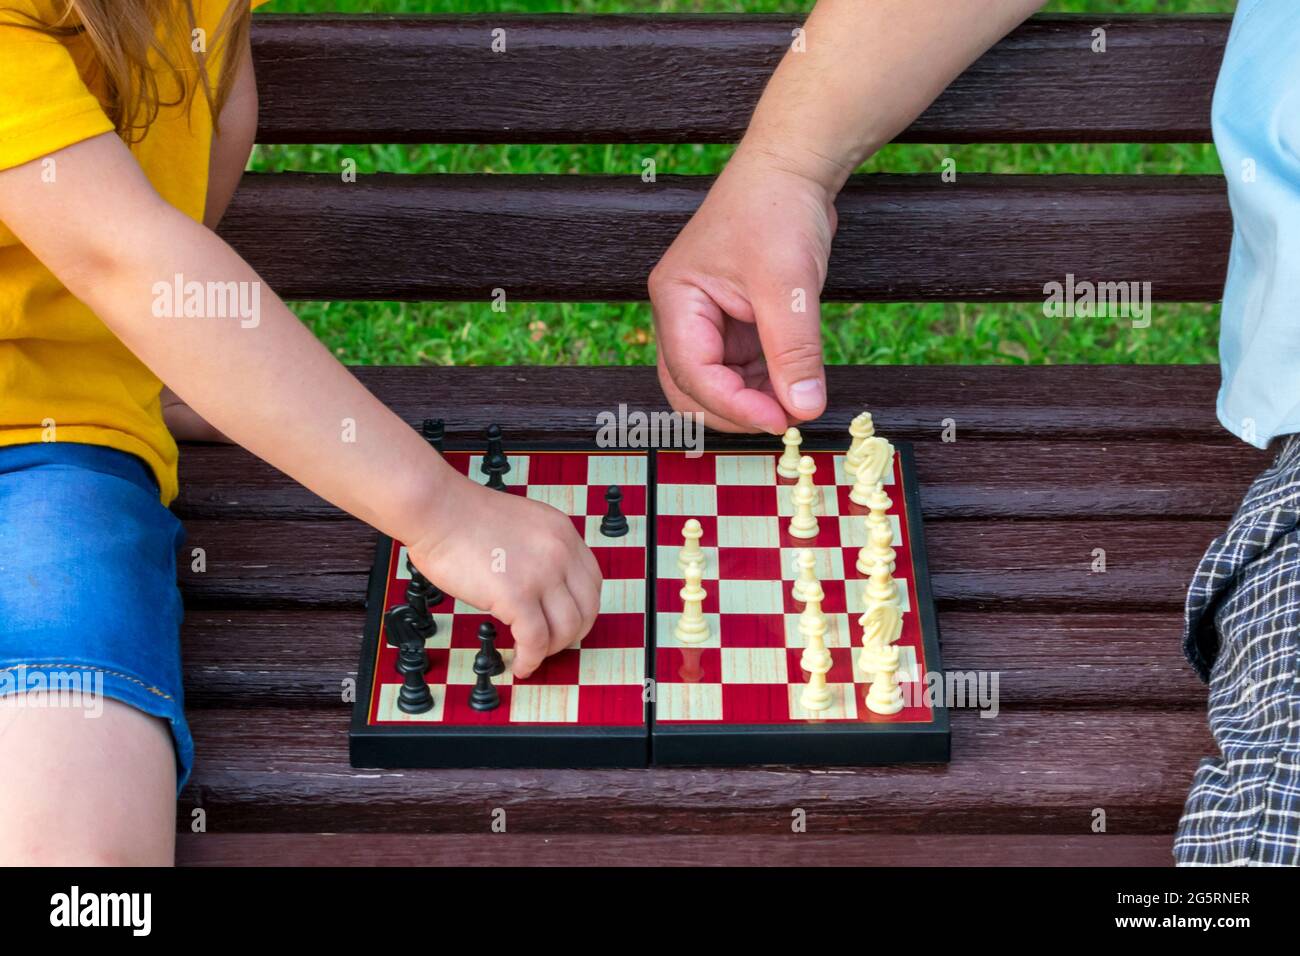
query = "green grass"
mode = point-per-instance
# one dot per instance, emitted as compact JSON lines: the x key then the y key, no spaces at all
{"x":620,"y":333}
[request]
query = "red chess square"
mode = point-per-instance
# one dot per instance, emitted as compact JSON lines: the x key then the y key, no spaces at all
{"x":749,"y":564}
{"x":668,"y":530}
{"x":828,"y":534}
{"x":557,"y":468}
{"x":747,"y":500}
{"x":834,"y":597}
{"x":459,"y":460}
{"x":617,"y":630}
{"x":611,"y":704}
{"x":688,"y":665}
{"x":439,"y":665}
{"x":633,"y":503}
{"x":674,"y":468}
{"x":752,"y":630}
{"x":456,"y":708}
{"x":464,"y":631}
{"x":668,"y":598}
{"x":620,"y":563}
{"x":561,"y":668}
{"x":755,"y":703}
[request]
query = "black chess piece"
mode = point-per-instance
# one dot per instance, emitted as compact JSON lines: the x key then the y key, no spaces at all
{"x":495,"y":463}
{"x":433,"y":595}
{"x":412,"y":661}
{"x":614,"y":524}
{"x":415,"y":696}
{"x":487,"y":638}
{"x":485,"y":696}
{"x":432,"y":429}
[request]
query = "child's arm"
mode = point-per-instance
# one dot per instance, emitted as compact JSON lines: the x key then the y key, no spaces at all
{"x":109,"y":237}
{"x":731,"y":345}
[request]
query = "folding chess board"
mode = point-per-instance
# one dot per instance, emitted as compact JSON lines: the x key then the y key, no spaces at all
{"x":630,"y":693}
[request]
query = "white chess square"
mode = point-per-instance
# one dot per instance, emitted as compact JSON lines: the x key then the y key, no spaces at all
{"x":855,"y":599}
{"x":692,"y":500}
{"x":838,"y":631}
{"x":853,"y":530}
{"x":750,"y":597}
{"x":754,"y":665}
{"x":667,"y":566}
{"x":464,"y":607}
{"x":402,"y":574}
{"x":622,"y":596}
{"x":635,"y":537}
{"x":571,"y":499}
{"x":829,"y":563}
{"x":544,"y":703}
{"x":612,"y":665}
{"x":688,"y":701}
{"x":844,"y":704}
{"x":825,"y":501}
{"x":517,"y":475}
{"x":388,"y":709}
{"x":744,"y":469}
{"x":749,"y":531}
{"x":623,"y":470}
{"x":666,"y":631}
{"x":907,"y":669}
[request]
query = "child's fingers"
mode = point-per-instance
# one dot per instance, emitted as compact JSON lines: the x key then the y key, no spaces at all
{"x":562,"y":617}
{"x":586,"y":594}
{"x":532,"y":638}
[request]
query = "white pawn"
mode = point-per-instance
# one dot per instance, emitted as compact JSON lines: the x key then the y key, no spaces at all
{"x":788,"y":465}
{"x":816,"y":695}
{"x":806,"y":565}
{"x":877,"y":459}
{"x":691,"y":552}
{"x":881,"y":588}
{"x":803,"y":495}
{"x":885,"y":696}
{"x":861,"y":428}
{"x":878,"y":504}
{"x":692,"y":628}
{"x":812,"y":628}
{"x":878,"y":549}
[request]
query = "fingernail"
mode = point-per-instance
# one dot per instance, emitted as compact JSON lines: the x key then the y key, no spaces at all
{"x":808,"y":395}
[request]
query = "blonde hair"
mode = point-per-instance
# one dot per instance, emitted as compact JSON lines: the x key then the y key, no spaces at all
{"x":125,"y":33}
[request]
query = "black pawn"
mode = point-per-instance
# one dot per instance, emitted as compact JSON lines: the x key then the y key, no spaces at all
{"x":432,"y":430}
{"x":495,"y":463}
{"x":614,"y":524}
{"x":433,"y":595}
{"x":484,"y":696}
{"x":487,"y":639}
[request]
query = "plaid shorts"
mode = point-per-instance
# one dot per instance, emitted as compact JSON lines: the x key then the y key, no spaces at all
{"x":1243,"y":617}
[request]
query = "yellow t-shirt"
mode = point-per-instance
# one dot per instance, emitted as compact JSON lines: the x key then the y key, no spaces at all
{"x":63,"y":374}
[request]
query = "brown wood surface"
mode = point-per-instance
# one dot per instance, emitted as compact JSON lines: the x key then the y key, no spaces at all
{"x":1097,"y":709}
{"x":426,"y":849}
{"x":596,"y":238}
{"x":676,"y":79}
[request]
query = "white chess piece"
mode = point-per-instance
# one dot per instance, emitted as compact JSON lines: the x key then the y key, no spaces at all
{"x":879,"y":547}
{"x":882,"y":626}
{"x":806,"y":568}
{"x":861,"y":428}
{"x":803,"y":495}
{"x":812,"y":628}
{"x":692,"y":628}
{"x":816,"y":695}
{"x":881,"y":588}
{"x":885,"y":696}
{"x":788,"y":465}
{"x":691,"y":552}
{"x":877,"y":460}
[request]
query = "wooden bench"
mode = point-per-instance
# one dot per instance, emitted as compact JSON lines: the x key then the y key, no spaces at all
{"x":1097,"y":709}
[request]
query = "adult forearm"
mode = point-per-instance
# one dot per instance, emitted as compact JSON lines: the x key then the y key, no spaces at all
{"x":864,"y":71}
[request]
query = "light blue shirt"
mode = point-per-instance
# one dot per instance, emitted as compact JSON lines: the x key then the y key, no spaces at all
{"x":1257,"y":132}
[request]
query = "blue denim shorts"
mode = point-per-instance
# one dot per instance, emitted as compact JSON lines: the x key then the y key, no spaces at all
{"x":89,"y":607}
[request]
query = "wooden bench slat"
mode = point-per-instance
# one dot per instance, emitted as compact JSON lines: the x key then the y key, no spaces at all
{"x":981,"y":478}
{"x":1037,"y":564}
{"x":279,"y":658}
{"x":1039,"y":772}
{"x":687,"y":79}
{"x":596,"y":238}
{"x":484,"y":849}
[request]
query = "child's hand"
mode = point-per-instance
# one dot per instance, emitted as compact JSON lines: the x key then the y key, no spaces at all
{"x":726,"y":296}
{"x":517,"y":559}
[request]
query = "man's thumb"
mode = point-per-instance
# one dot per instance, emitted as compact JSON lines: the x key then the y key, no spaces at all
{"x":790,"y":329}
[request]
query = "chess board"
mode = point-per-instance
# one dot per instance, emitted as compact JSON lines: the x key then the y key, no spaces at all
{"x":630,"y":693}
